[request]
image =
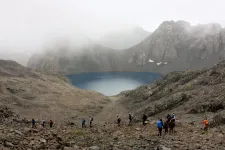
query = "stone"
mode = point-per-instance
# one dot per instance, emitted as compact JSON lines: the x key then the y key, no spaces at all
{"x":141,"y":137}
{"x":220,"y":135}
{"x":31,"y":143}
{"x":75,"y":147}
{"x":137,"y":129}
{"x":94,"y":148}
{"x":54,"y":133}
{"x":176,"y":145}
{"x":43,"y":140}
{"x":27,"y":130}
{"x":8,"y":144}
{"x":165,"y":148}
{"x":58,"y":138}
{"x":198,"y":146}
{"x":115,"y":138}
{"x":18,"y":132}
{"x":68,"y":148}
{"x":2,"y":137}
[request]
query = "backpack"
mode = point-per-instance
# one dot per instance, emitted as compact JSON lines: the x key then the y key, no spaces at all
{"x":91,"y":118}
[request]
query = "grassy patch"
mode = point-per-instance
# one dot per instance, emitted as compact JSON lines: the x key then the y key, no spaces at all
{"x":76,"y":132}
{"x":203,"y":132}
{"x":189,"y":86}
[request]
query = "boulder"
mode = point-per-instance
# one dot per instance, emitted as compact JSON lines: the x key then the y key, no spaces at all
{"x":94,"y":148}
{"x":8,"y":144}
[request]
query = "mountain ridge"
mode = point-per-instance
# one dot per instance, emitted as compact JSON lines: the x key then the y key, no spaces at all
{"x":172,"y":46}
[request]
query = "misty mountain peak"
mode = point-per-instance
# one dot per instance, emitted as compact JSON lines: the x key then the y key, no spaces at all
{"x":169,"y":25}
{"x":174,"y":45}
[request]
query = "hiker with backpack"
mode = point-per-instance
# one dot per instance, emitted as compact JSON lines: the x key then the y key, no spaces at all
{"x":173,"y":117}
{"x":83,"y":123}
{"x":33,"y":123}
{"x":159,"y":124}
{"x":144,"y":119}
{"x":168,"y":117}
{"x":51,"y":123}
{"x":171,"y":125}
{"x":91,"y":120}
{"x":206,"y":124}
{"x":118,"y":121}
{"x":130,"y":119}
{"x":165,"y":126}
{"x":43,"y":123}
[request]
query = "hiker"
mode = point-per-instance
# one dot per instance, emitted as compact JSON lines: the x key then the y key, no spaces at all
{"x":43,"y":123}
{"x":165,"y":126}
{"x":51,"y":123}
{"x":130,"y":119}
{"x":171,"y":125}
{"x":206,"y":124}
{"x":33,"y":123}
{"x":118,"y":121}
{"x":168,"y":117}
{"x":144,"y":118}
{"x":159,"y":124}
{"x":83,"y":123}
{"x":91,"y":120}
{"x":173,"y":117}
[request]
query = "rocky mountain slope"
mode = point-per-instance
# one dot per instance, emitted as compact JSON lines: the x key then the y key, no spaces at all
{"x":50,"y":96}
{"x":190,"y":94}
{"x":124,"y":39}
{"x":171,"y":47}
{"x":179,"y":46}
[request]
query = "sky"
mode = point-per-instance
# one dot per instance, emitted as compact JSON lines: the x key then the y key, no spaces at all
{"x":27,"y":25}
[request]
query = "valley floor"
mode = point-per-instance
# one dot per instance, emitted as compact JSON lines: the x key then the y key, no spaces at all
{"x":136,"y":137}
{"x":111,"y":111}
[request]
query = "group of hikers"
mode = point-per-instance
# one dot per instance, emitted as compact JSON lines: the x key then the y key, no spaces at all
{"x":168,"y":125}
{"x":43,"y":123}
{"x":84,"y":122}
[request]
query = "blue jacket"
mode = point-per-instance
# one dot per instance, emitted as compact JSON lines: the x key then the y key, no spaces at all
{"x":159,"y":124}
{"x":83,"y":121}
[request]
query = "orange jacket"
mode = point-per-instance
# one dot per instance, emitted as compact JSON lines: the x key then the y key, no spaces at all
{"x":205,"y":123}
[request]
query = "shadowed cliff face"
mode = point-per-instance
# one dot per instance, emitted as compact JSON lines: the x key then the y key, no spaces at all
{"x":173,"y":46}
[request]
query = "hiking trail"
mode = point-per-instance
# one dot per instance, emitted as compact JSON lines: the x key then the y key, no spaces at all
{"x":111,"y":111}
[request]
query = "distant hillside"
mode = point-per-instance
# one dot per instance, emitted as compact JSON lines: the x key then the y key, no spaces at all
{"x":33,"y":94}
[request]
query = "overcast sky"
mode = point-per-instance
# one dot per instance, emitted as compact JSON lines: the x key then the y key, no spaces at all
{"x":25,"y":25}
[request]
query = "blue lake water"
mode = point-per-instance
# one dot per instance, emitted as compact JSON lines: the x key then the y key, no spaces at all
{"x":112,"y":83}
